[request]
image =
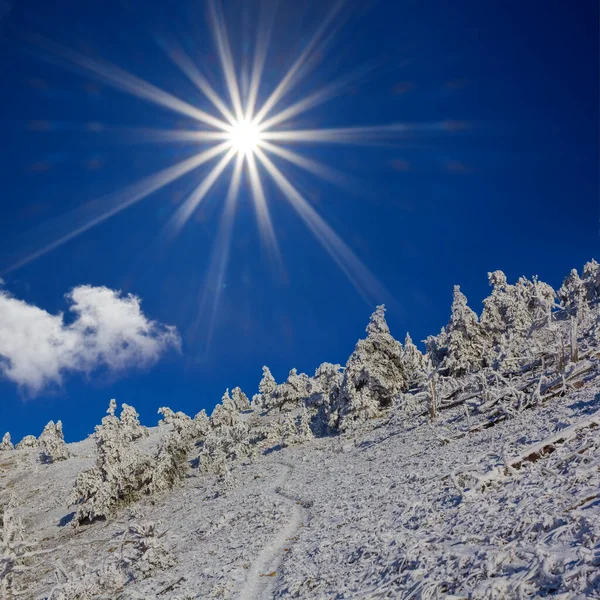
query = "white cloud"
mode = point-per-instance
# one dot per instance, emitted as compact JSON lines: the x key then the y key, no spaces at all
{"x":108,"y":330}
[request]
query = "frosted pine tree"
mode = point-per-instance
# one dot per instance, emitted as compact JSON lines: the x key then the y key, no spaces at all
{"x":131,"y":422}
{"x":591,"y":280}
{"x":52,"y":443}
{"x":224,"y":414}
{"x":267,"y":384}
{"x":6,"y":444}
{"x":464,"y":338}
{"x":574,"y":296}
{"x":202,"y":423}
{"x":324,"y":395}
{"x":240,"y":399}
{"x":117,"y":476}
{"x":374,"y":374}
{"x":29,"y":441}
{"x":414,"y":363}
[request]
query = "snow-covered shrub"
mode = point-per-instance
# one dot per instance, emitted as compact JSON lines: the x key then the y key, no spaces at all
{"x":29,"y":441}
{"x":131,"y":422}
{"x":374,"y":374}
{"x":104,"y":581}
{"x":145,"y":551}
{"x":116,"y":478}
{"x":16,"y":552}
{"x":52,"y":443}
{"x":6,"y":444}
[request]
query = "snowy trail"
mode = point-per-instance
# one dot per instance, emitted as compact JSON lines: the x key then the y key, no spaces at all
{"x":258,"y":584}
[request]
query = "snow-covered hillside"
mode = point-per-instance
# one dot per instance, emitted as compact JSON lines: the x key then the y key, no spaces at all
{"x":472,"y":471}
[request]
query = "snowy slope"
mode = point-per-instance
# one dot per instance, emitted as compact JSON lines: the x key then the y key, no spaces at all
{"x":390,"y":511}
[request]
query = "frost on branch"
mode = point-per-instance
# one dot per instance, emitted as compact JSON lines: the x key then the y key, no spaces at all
{"x":6,"y":444}
{"x":52,"y":443}
{"x":374,"y":374}
{"x":29,"y":441}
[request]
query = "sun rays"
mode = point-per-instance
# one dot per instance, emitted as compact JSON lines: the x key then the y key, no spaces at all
{"x":241,"y":136}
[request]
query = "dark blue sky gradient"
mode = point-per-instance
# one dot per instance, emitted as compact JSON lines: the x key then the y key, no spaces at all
{"x":508,"y":181}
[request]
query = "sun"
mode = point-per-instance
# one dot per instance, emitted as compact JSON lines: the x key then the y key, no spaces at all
{"x":245,"y":137}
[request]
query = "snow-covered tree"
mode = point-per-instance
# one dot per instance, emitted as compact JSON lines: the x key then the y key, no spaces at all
{"x":464,"y":339}
{"x":202,"y":422}
{"x":324,"y":386}
{"x":29,"y":441}
{"x":574,"y":296}
{"x":295,"y":429}
{"x":512,"y":317}
{"x":116,"y":478}
{"x":374,"y":374}
{"x":6,"y":444}
{"x":414,"y":363}
{"x":288,"y":394}
{"x":591,"y":280}
{"x":267,"y":384}
{"x":240,"y":400}
{"x":224,"y":414}
{"x":130,"y":420}
{"x":52,"y":443}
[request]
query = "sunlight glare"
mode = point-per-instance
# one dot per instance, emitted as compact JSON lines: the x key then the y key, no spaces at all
{"x":245,"y":137}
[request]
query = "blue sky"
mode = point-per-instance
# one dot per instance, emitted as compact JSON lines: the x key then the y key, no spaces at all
{"x":506,"y":179}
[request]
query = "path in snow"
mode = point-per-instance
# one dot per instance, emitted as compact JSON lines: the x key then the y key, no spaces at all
{"x":259,"y":584}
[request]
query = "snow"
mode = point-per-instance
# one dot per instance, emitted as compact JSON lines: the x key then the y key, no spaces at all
{"x":494,"y":495}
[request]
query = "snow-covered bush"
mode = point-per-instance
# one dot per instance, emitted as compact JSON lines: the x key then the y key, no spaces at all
{"x":16,"y":552}
{"x":145,"y":550}
{"x":52,"y":443}
{"x":374,"y":374}
{"x":29,"y":441}
{"x":6,"y":444}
